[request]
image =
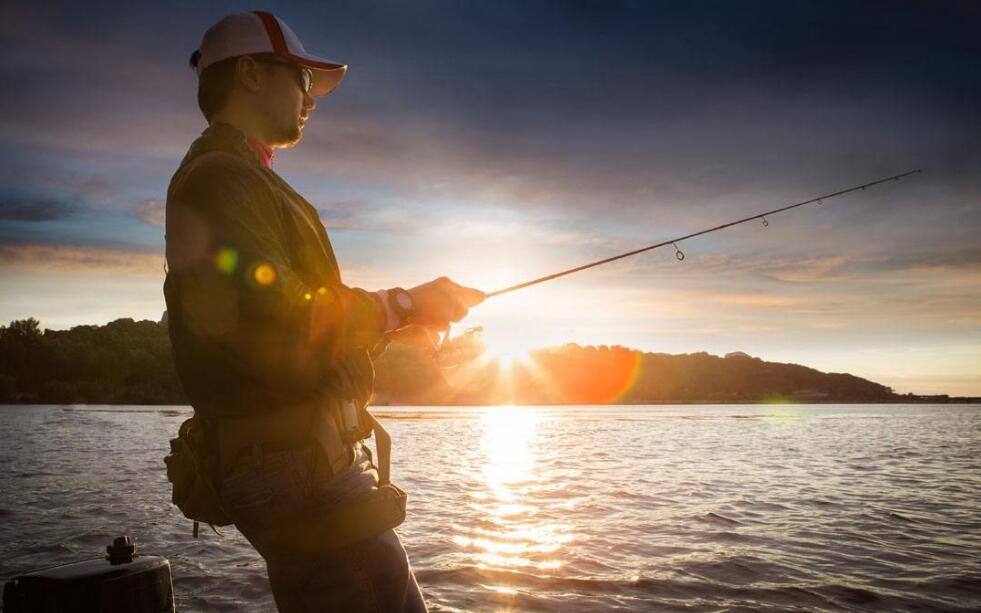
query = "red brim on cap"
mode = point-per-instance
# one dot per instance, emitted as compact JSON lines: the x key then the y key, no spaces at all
{"x":327,"y":75}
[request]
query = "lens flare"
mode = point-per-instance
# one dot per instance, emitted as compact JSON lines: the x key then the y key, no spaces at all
{"x":264,"y":274}
{"x":594,"y":375}
{"x":226,"y":260}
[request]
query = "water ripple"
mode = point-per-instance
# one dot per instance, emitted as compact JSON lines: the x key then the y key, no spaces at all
{"x":835,"y":508}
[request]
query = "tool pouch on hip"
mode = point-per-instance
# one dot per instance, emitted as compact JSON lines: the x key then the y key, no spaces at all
{"x":352,"y":421}
{"x":351,"y":381}
{"x":194,"y":492}
{"x":376,"y":512}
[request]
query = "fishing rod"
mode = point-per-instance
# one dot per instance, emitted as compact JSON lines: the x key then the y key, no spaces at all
{"x":438,"y":349}
{"x":674,"y":241}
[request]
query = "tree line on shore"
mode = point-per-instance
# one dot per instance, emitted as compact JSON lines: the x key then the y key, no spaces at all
{"x":129,"y":362}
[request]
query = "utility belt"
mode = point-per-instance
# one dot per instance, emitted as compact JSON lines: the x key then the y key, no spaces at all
{"x":334,"y":426}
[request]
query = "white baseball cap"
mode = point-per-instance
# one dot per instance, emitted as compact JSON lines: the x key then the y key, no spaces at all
{"x":261,"y":32}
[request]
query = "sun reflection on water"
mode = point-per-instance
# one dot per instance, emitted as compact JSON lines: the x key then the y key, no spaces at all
{"x":516,"y":533}
{"x":509,"y":434}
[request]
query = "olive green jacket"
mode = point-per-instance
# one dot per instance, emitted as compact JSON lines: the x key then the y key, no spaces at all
{"x":257,"y":312}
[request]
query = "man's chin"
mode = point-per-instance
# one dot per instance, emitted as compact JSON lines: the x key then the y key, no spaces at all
{"x":289,"y":138}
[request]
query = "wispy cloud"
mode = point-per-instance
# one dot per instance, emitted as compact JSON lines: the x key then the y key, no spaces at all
{"x":361,"y":214}
{"x":477,"y":228}
{"x":81,"y":66}
{"x":29,"y":208}
{"x":80,"y":259}
{"x":152,"y":212}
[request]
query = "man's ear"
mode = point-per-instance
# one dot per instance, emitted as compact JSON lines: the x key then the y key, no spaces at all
{"x":247,"y":73}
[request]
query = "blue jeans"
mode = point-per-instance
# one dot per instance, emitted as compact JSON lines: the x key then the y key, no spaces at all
{"x":263,"y":492}
{"x":372,"y":575}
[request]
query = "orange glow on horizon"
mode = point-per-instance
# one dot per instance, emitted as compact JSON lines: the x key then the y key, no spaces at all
{"x":568,"y":374}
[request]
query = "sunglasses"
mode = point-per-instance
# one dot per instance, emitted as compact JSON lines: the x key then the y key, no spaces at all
{"x":305,"y":80}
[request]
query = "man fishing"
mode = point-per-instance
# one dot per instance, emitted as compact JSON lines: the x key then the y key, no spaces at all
{"x":273,"y":350}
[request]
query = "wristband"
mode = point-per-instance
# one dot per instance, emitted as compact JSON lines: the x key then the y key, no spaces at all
{"x":391,"y":318}
{"x":400,"y":302}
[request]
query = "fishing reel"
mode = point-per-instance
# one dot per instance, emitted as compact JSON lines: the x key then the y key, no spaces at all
{"x":452,"y":352}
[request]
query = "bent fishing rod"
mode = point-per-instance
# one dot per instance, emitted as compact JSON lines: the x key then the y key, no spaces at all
{"x":674,"y":241}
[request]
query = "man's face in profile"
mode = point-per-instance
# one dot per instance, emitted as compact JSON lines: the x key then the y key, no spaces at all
{"x":285,"y":102}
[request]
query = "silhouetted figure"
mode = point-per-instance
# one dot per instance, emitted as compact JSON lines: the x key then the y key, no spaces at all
{"x":273,"y":350}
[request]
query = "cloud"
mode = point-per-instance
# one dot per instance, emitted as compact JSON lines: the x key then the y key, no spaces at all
{"x":926,"y":290}
{"x":28,"y":208}
{"x":80,"y":259}
{"x":497,"y":232}
{"x":152,"y":212}
{"x":359,"y":214}
{"x":711,"y":331}
{"x":936,"y":259}
{"x":87,"y":95}
{"x":803,"y":270}
{"x":641,"y":186}
{"x":365,"y":215}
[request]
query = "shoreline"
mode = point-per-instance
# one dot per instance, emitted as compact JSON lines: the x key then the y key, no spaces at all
{"x":949,"y":401}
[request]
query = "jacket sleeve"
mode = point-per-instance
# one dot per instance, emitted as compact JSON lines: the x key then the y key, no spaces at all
{"x":237,"y":286}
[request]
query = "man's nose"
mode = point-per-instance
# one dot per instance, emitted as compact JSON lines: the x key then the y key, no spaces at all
{"x":308,"y":102}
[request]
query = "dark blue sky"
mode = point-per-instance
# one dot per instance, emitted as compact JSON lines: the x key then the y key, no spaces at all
{"x":523,"y":136}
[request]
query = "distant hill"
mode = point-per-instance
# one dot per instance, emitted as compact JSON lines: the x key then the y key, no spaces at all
{"x":572,"y":374}
{"x":129,"y":362}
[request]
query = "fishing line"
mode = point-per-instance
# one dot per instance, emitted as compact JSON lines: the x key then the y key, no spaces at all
{"x":673,"y":242}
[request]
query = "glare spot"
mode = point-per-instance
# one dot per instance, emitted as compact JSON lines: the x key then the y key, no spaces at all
{"x":264,"y":274}
{"x":322,"y":291}
{"x":226,"y":260}
{"x":308,"y":296}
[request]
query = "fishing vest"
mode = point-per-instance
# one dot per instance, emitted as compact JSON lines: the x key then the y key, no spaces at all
{"x":258,"y":315}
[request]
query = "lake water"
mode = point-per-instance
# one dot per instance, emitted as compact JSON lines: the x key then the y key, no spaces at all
{"x":695,"y":508}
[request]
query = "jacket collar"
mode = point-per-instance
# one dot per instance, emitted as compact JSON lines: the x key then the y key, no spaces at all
{"x":223,"y":137}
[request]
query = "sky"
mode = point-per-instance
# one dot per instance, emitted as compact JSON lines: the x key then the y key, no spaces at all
{"x":495,"y":142}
